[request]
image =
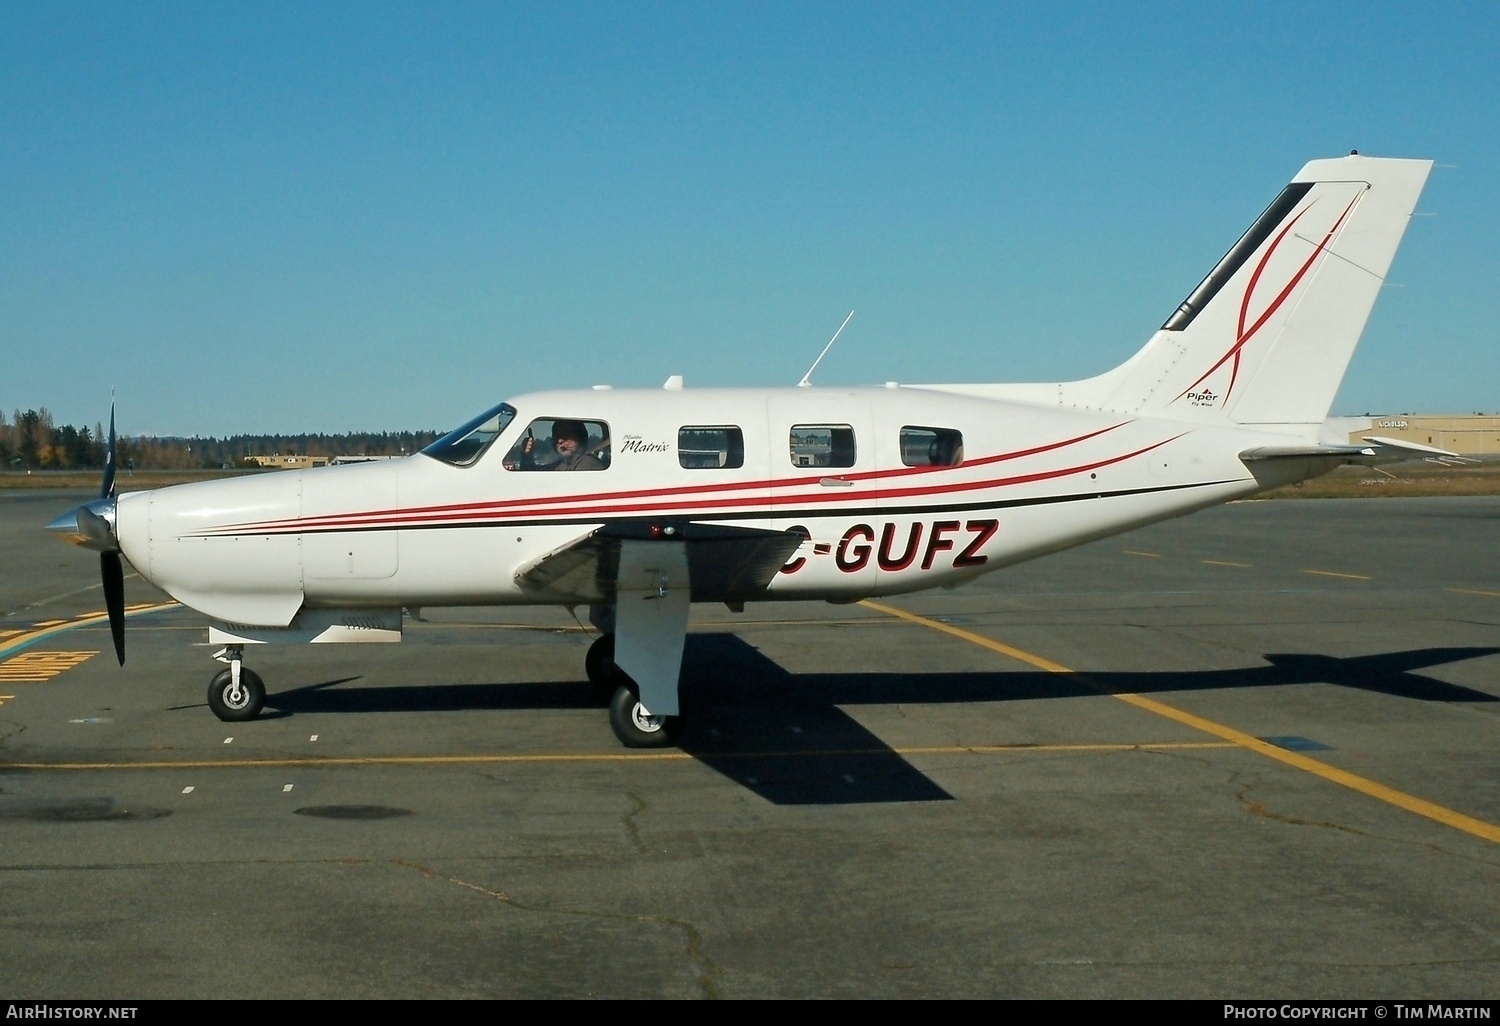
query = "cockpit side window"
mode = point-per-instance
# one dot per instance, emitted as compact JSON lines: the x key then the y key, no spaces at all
{"x":931,"y":447}
{"x":561,"y":443}
{"x":463,"y":446}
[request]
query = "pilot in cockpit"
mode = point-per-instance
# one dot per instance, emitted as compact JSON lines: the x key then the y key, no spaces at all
{"x":570,"y":441}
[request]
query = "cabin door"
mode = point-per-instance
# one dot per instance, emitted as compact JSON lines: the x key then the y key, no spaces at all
{"x":823,"y":463}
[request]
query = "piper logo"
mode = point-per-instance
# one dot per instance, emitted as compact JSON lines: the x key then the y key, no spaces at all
{"x":1203,"y":398}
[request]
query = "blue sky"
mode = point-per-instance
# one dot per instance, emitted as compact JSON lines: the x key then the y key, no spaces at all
{"x":290,"y":217}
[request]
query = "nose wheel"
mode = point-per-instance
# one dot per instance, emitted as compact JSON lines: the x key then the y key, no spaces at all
{"x":236,"y":694}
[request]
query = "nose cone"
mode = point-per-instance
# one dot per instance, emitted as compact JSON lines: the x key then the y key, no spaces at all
{"x":91,"y":525}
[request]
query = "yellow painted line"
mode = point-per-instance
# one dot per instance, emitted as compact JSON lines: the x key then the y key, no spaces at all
{"x":1224,"y":562}
{"x":1137,"y":552}
{"x":1400,"y":799}
{"x":53,"y":627}
{"x":36,"y":667}
{"x":1330,"y":573}
{"x":969,"y":636}
{"x":372,"y":760}
{"x":1420,"y":806}
{"x":7,"y":634}
{"x":1472,"y":591}
{"x":48,"y":623}
{"x":1021,"y":749}
{"x":674,"y":756}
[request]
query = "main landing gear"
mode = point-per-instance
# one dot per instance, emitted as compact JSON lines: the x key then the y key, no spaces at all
{"x":599,"y":664}
{"x":633,"y":724}
{"x":235,"y":694}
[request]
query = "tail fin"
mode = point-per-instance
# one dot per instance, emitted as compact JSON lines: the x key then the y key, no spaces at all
{"x":1265,"y":339}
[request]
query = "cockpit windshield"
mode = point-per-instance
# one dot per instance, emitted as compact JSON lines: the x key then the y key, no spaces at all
{"x":463,"y":445}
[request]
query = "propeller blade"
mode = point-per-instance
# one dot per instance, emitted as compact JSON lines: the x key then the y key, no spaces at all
{"x":113,"y":573}
{"x":107,"y":490}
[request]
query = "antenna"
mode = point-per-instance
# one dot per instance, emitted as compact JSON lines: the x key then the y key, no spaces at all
{"x":807,"y":378}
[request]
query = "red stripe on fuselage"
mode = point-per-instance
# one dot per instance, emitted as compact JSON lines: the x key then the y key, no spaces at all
{"x":611,"y":506}
{"x":469,"y":510}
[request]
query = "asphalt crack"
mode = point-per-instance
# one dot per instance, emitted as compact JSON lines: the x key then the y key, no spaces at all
{"x":630,"y":821}
{"x":708,"y":971}
{"x":1257,"y":809}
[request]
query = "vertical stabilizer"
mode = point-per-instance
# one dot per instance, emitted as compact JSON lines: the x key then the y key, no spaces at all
{"x":1265,"y":339}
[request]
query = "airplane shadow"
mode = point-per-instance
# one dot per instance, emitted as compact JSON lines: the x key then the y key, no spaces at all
{"x":785,"y":736}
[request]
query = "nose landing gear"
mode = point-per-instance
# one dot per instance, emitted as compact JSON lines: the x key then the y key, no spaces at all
{"x":235,"y":694}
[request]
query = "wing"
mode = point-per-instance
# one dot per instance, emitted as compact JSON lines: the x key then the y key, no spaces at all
{"x":724,"y":564}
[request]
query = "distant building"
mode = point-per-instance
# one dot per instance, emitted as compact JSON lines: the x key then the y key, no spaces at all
{"x":360,"y":458}
{"x":1473,"y":435}
{"x":277,"y":461}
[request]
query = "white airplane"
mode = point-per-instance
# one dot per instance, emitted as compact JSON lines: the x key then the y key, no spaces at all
{"x":680,"y":495}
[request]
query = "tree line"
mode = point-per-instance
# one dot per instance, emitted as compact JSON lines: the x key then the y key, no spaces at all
{"x":30,"y":440}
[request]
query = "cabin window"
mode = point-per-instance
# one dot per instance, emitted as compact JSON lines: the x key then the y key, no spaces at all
{"x":710,"y":448}
{"x":931,"y":447}
{"x":822,"y":445}
{"x":561,"y":443}
{"x":464,"y":445}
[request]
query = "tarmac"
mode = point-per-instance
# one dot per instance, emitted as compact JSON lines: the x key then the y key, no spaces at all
{"x":1251,"y":753}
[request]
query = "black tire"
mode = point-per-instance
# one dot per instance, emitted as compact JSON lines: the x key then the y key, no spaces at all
{"x":236,"y":708}
{"x":634,"y":728}
{"x":599,"y":663}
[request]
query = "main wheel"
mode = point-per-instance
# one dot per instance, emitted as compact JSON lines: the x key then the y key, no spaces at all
{"x":599,"y":663}
{"x":236,"y":704}
{"x":635,"y":727}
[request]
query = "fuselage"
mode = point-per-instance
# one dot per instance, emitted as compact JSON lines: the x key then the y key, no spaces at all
{"x":895,"y":489}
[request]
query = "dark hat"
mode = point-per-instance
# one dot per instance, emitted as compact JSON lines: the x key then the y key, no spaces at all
{"x":573,"y":429}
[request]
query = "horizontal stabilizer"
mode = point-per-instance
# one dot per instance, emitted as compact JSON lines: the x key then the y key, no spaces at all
{"x":1378,"y":451}
{"x":1411,"y":447}
{"x":1297,"y":452}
